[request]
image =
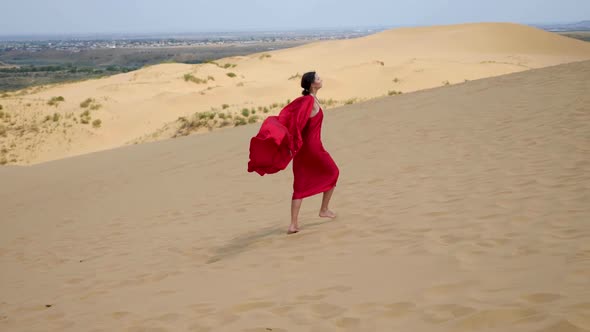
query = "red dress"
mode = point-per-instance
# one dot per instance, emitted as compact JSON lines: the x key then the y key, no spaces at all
{"x":293,"y":134}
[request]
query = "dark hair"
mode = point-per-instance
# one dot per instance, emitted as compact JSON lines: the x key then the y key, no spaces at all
{"x":306,"y":81}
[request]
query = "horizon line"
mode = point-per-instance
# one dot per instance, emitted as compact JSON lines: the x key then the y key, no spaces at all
{"x":259,"y":30}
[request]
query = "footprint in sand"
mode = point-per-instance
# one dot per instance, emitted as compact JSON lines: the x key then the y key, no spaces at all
{"x":93,"y":294}
{"x":398,"y":309}
{"x":142,"y":328}
{"x":55,"y":316}
{"x":497,"y":318}
{"x":584,"y":306}
{"x":243,"y":307}
{"x":75,"y":281}
{"x":166,"y":291}
{"x":32,"y":309}
{"x":348,"y":323}
{"x":197,"y":327}
{"x":326,"y":310}
{"x":445,"y":312}
{"x":223,"y":318}
{"x":281,"y":310}
{"x":169,"y":317}
{"x":339,"y":234}
{"x":338,"y":289}
{"x":298,"y":258}
{"x":581,"y":256}
{"x":383,"y":252}
{"x":311,"y":297}
{"x":541,"y":297}
{"x":202,"y":308}
{"x":120,"y":314}
{"x":562,"y":326}
{"x":445,"y":289}
{"x":367,"y":307}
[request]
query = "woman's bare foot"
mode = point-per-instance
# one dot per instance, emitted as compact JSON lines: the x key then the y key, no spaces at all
{"x":293,"y":229}
{"x":327,"y":214}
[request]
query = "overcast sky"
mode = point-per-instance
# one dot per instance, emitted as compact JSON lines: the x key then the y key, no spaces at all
{"x":20,"y":17}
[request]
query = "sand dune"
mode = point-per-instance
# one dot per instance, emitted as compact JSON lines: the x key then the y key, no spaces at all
{"x":144,"y":105}
{"x":461,"y":208}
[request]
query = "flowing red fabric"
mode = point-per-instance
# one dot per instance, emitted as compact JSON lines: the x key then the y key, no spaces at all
{"x":294,"y":135}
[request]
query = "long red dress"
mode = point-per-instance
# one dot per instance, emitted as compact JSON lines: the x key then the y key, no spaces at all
{"x":294,"y":135}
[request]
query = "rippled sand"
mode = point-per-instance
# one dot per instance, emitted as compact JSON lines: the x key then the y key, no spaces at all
{"x":461,"y":208}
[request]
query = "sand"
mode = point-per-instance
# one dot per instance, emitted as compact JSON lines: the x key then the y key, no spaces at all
{"x":461,"y":208}
{"x":144,"y":105}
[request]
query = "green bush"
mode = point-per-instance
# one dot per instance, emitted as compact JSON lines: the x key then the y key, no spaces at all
{"x":239,"y":121}
{"x":245,"y":112}
{"x":54,"y":101}
{"x":96,"y":123}
{"x":205,"y":115}
{"x":231,"y":75}
{"x":85,"y":117}
{"x":192,"y":78}
{"x":327,"y":102}
{"x":86,"y":102}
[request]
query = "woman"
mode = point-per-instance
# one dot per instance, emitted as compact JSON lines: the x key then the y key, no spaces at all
{"x":295,"y":134}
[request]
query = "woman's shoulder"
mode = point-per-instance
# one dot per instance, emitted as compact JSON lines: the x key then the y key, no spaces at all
{"x":304,"y":99}
{"x":301,"y":100}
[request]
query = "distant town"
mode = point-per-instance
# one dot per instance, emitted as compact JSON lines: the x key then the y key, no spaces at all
{"x":78,"y":43}
{"x":81,"y":43}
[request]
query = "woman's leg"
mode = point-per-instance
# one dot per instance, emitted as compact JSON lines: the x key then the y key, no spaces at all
{"x":295,"y":206}
{"x":324,"y":210}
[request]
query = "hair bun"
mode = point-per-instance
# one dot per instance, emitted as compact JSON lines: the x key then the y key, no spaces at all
{"x":305,"y":92}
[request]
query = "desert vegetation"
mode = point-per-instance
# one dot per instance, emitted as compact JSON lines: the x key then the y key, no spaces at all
{"x":192,"y":78}
{"x":54,"y":101}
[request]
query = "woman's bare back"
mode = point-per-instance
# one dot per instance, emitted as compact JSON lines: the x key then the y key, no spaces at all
{"x":316,"y":108}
